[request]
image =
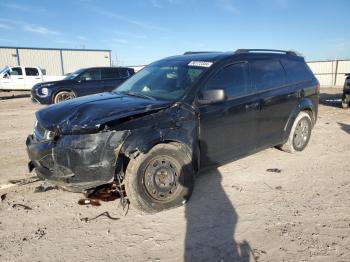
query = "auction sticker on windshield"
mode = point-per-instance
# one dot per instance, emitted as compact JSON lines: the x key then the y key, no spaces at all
{"x":200,"y":63}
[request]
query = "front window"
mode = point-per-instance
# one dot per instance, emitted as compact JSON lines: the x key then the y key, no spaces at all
{"x":4,"y":70}
{"x":167,"y":80}
{"x":73,"y":75}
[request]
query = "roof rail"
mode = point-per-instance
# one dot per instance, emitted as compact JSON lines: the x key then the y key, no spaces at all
{"x":197,"y":52}
{"x":245,"y":51}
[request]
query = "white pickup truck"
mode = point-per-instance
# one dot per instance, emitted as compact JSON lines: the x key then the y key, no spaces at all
{"x":23,"y":78}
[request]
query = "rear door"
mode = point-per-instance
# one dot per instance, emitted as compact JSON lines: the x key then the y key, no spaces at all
{"x":228,"y":128}
{"x":113,"y":77}
{"x":89,"y":82}
{"x":32,"y":77}
{"x":277,"y":100}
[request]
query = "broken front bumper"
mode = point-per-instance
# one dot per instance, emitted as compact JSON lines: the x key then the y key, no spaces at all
{"x":76,"y":162}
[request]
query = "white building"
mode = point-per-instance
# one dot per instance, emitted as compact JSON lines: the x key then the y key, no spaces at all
{"x":53,"y":60}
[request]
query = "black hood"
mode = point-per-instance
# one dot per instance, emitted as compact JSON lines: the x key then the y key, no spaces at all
{"x":88,"y":113}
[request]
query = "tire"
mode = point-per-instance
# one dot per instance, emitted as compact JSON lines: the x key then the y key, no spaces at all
{"x":63,"y":96}
{"x":345,"y":103}
{"x":161,"y":179}
{"x":300,"y":133}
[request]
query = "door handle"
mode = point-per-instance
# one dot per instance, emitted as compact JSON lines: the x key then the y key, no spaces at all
{"x":253,"y":106}
{"x":20,"y":78}
{"x":37,"y":78}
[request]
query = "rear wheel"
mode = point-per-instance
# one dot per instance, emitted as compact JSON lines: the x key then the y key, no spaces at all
{"x":160,"y":179}
{"x":300,"y":133}
{"x":63,"y":96}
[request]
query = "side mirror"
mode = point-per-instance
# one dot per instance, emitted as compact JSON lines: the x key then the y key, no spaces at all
{"x":81,"y":79}
{"x":6,"y":75}
{"x":212,"y":96}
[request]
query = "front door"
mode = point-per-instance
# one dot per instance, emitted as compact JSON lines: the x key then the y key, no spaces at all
{"x":15,"y":79}
{"x":89,"y":83}
{"x":228,"y":128}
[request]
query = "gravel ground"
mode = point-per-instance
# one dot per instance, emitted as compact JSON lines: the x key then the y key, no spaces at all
{"x":238,"y":211}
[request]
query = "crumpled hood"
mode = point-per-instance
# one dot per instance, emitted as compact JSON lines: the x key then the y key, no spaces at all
{"x":86,"y":114}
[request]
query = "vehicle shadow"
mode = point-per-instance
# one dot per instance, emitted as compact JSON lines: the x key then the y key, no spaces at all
{"x":333,"y":100}
{"x":11,"y":95}
{"x":345,"y":127}
{"x":211,"y":223}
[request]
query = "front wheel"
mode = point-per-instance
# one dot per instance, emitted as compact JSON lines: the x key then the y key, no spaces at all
{"x":63,"y":96}
{"x":299,"y":134}
{"x":161,"y":179}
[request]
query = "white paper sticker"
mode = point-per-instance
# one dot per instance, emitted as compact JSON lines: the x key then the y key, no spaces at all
{"x":200,"y":63}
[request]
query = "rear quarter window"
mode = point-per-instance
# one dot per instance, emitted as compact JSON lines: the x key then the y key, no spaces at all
{"x":297,"y":71}
{"x":268,"y":73}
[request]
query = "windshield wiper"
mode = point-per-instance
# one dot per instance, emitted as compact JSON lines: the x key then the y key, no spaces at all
{"x":130,"y":93}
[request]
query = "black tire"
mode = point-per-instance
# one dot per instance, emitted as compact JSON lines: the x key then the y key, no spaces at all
{"x":161,"y":179}
{"x":63,"y":96}
{"x":300,"y":133}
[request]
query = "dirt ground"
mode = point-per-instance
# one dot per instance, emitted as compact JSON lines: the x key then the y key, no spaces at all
{"x":238,"y":211}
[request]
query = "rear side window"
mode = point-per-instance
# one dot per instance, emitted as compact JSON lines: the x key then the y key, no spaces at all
{"x":114,"y":73}
{"x":234,"y":79}
{"x":16,"y":71}
{"x":268,"y":73}
{"x":297,"y":71}
{"x":30,"y":71}
{"x":123,"y":72}
{"x":110,"y":73}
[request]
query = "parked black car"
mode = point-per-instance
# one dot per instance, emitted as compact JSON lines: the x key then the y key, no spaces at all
{"x":174,"y":118}
{"x":82,"y":82}
{"x":346,"y":92}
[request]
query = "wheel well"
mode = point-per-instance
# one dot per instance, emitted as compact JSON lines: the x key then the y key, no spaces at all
{"x":311,"y":114}
{"x":124,"y":158}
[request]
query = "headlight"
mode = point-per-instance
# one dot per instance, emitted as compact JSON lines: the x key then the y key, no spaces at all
{"x":49,"y":135}
{"x":44,"y":91}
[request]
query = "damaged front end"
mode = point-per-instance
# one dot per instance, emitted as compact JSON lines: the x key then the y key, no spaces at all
{"x":76,"y":162}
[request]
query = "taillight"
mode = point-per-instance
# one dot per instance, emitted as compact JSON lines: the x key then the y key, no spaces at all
{"x":318,"y":87}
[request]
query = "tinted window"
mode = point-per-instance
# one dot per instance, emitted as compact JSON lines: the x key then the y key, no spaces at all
{"x":123,"y":72}
{"x":297,"y":71}
{"x":167,"y":80}
{"x":16,"y":71}
{"x":268,"y":74}
{"x":31,"y":71}
{"x":110,"y":73}
{"x":234,"y":79}
{"x":94,"y":74}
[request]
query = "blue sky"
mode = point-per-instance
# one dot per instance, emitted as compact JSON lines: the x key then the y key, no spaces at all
{"x":141,"y":31}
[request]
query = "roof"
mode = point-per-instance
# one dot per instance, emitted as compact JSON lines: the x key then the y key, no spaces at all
{"x":239,"y":54}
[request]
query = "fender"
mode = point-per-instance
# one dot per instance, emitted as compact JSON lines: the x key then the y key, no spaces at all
{"x":303,"y":104}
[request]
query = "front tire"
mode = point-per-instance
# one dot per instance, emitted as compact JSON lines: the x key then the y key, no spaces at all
{"x":299,"y":134}
{"x":161,"y":179}
{"x":63,"y":96}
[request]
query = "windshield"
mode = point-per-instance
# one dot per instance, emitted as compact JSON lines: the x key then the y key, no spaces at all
{"x":166,"y":80}
{"x":73,"y":75}
{"x":4,"y":69}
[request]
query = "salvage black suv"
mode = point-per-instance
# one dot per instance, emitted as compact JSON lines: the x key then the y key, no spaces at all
{"x":173,"y":118}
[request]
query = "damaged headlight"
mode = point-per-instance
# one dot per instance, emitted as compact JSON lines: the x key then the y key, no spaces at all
{"x":41,"y":133}
{"x":49,"y":135}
